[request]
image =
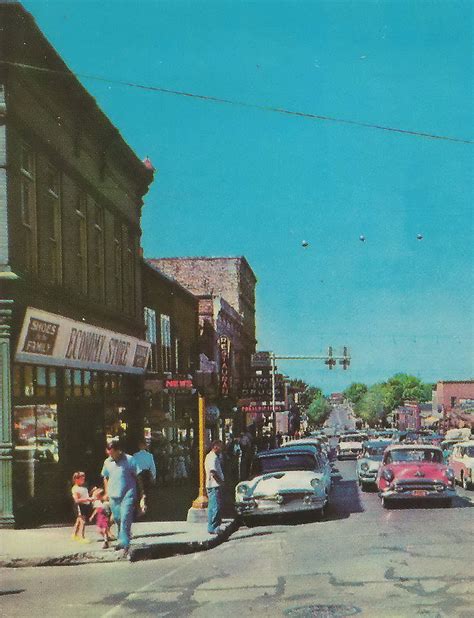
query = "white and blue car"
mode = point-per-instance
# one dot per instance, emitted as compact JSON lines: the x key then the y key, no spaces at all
{"x":284,"y":480}
{"x":369,"y":461}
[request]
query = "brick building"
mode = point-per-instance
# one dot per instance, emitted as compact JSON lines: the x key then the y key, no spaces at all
{"x":225,"y":288}
{"x":172,"y":329}
{"x":71,"y":323}
{"x":449,"y":393}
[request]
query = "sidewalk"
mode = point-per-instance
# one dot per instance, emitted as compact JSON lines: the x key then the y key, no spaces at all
{"x":158,"y":539}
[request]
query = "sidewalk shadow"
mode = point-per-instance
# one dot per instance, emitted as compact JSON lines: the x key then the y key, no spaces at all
{"x":157,"y":534}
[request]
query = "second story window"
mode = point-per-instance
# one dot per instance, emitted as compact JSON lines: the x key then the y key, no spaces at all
{"x":129,"y":271}
{"x":98,"y":253}
{"x":118,"y":281}
{"x":177,"y":351}
{"x":28,"y":209}
{"x":165,"y":328}
{"x":53,"y":225}
{"x":150,"y":335}
{"x":81,"y":243}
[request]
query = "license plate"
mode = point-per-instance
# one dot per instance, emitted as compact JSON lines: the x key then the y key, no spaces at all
{"x":419,"y":493}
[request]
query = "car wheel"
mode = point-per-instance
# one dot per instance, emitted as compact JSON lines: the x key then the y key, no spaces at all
{"x":386,"y":503}
{"x":364,"y":486}
{"x":465,"y":482}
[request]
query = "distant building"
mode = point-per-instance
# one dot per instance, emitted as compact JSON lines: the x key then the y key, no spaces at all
{"x":225,"y":288}
{"x":172,"y":329}
{"x":449,"y":393}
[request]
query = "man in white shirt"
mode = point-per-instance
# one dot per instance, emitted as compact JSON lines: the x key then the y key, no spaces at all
{"x":214,"y":483}
{"x":145,"y":466}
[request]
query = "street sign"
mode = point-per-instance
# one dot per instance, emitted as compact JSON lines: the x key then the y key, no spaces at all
{"x":261,"y":359}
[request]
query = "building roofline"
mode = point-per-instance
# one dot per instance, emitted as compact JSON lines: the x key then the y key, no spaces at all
{"x":454,"y":382}
{"x":160,"y":274}
{"x":208,"y":258}
{"x":55,"y":62}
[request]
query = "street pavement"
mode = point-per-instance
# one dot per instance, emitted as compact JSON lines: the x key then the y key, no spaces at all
{"x":359,"y":560}
{"x":342,"y":417}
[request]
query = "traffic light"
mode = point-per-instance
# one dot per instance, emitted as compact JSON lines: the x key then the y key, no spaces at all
{"x":346,"y":361}
{"x":330,"y":361}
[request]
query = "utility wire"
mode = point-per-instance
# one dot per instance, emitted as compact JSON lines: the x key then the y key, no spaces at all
{"x":267,"y":108}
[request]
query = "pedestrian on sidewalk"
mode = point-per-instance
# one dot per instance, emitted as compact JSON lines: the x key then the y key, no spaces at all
{"x":214,"y":485}
{"x":146,"y":468}
{"x":101,"y":513}
{"x":82,"y":506}
{"x":122,"y":485}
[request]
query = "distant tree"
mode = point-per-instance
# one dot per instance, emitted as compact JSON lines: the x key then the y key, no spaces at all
{"x":307,"y":397}
{"x":355,"y":392}
{"x":318,"y":410}
{"x":371,"y":407}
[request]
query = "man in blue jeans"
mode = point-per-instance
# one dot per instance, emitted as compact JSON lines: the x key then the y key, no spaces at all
{"x":121,"y":479}
{"x":214,"y":483}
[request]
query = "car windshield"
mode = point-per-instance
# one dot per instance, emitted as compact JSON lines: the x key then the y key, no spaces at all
{"x":429,"y":455}
{"x":280,"y":463}
{"x":375,"y":453}
{"x":353,"y":438}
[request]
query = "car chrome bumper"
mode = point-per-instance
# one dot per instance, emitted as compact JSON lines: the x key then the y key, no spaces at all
{"x":272,"y":507}
{"x":418,"y":494}
{"x":368,"y":477}
{"x":348,"y":455}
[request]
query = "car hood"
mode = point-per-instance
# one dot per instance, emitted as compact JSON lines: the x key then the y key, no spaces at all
{"x":418,"y":470}
{"x":373,"y":464}
{"x":350,"y":445}
{"x":272,"y":483}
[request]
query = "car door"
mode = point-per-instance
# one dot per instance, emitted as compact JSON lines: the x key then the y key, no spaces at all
{"x":455,"y":462}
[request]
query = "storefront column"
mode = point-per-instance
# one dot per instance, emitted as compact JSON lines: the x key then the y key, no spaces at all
{"x":6,"y":446}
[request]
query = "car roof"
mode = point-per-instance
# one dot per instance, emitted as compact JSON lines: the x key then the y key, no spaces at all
{"x":375,"y":443}
{"x":301,"y":442}
{"x":304,"y":449}
{"x":411,"y":447}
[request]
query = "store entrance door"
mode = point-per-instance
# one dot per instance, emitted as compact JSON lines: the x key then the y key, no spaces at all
{"x":84,"y":440}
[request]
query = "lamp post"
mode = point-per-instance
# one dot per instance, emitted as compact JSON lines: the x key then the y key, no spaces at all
{"x":200,"y":503}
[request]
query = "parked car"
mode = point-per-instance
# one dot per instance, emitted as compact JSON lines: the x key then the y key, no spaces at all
{"x":350,"y":445}
{"x":415,"y":471}
{"x":462,"y":463}
{"x":369,"y":461}
{"x":283,"y":480}
{"x":323,"y":453}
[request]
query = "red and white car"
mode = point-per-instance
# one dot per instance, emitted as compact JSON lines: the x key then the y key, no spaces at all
{"x":415,"y":471}
{"x":462,"y":463}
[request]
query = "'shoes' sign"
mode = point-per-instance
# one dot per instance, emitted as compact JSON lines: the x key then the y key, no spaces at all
{"x":50,"y":339}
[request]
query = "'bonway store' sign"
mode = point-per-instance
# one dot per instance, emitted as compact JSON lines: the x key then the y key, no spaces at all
{"x":50,"y":339}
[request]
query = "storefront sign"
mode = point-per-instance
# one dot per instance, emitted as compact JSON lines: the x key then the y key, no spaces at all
{"x":224,"y":350}
{"x":50,"y":339}
{"x":259,"y":407}
{"x":179,"y":385}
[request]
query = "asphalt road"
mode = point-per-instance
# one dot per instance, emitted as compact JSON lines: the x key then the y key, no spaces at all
{"x":341,"y":416}
{"x":359,"y":560}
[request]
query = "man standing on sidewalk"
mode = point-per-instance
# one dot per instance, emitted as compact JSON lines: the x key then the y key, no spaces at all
{"x":146,"y":467}
{"x":121,"y":478}
{"x":214,"y":483}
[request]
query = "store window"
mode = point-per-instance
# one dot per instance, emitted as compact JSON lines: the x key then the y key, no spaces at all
{"x":34,"y":381}
{"x":28,"y":209}
{"x":36,"y":452}
{"x":165,"y":342}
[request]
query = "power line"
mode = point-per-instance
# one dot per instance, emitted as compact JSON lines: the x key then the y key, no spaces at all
{"x":267,"y":108}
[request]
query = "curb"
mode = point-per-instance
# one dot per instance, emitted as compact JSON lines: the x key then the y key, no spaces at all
{"x":165,"y":550}
{"x":152,"y":551}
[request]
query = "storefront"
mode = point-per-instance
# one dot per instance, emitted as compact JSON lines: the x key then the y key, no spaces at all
{"x":74,"y":385}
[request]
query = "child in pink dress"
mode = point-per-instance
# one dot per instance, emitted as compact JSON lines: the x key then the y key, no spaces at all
{"x":101,"y":513}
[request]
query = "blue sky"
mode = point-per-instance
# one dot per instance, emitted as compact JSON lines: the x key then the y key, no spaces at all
{"x":240,"y":181}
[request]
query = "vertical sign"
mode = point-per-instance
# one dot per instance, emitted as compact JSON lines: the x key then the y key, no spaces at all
{"x":224,"y":351}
